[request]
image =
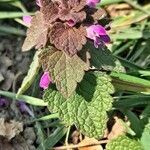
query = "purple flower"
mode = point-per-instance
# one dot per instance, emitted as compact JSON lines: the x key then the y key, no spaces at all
{"x":27,"y":20}
{"x":3,"y":102}
{"x":98,"y":34}
{"x":92,"y":3}
{"x":38,"y":2}
{"x":45,"y":80}
{"x":24,"y":108}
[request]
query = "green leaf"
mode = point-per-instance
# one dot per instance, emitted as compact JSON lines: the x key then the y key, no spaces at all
{"x":65,"y":71}
{"x":32,"y":73}
{"x":145,"y":139}
{"x":124,"y":143}
{"x":101,"y":58}
{"x":87,"y":107}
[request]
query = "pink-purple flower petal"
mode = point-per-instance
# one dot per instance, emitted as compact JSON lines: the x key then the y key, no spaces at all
{"x":98,"y":34}
{"x":45,"y":80}
{"x":105,"y":38}
{"x":27,"y":20}
{"x":98,"y":29}
{"x":38,"y":2}
{"x":92,"y":3}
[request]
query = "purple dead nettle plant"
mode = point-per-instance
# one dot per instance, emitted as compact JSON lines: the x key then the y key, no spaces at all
{"x":67,"y":25}
{"x":71,"y":38}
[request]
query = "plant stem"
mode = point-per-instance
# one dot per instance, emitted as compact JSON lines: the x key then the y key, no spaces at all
{"x":80,"y":145}
{"x":67,"y":135}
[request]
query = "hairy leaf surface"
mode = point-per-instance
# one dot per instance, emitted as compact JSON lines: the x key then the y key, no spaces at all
{"x":87,"y":107}
{"x":69,"y":40}
{"x":36,"y":34}
{"x":123,"y":142}
{"x":65,"y":71}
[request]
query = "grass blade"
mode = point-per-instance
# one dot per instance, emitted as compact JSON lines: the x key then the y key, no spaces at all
{"x":132,"y":102}
{"x":135,"y":122}
{"x":28,"y":99}
{"x":11,"y":30}
{"x":130,"y":83}
{"x":6,"y":15}
{"x":54,"y":138}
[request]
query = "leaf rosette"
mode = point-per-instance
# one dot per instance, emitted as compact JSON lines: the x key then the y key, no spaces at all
{"x":61,"y":30}
{"x":63,"y":24}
